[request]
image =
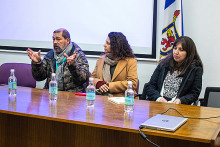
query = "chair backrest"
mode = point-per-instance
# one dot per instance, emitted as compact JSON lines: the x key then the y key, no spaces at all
{"x":143,"y":96}
{"x":212,"y":97}
{"x":137,"y":89}
{"x":22,"y":73}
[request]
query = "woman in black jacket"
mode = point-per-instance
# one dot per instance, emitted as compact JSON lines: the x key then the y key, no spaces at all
{"x":178,"y":77}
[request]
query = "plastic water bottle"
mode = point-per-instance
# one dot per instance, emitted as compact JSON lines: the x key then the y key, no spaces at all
{"x":12,"y":83}
{"x":90,"y":94}
{"x":129,"y":98}
{"x":53,"y":89}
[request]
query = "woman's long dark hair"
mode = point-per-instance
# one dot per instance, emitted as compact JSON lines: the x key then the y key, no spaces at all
{"x":119,"y":45}
{"x":192,"y":56}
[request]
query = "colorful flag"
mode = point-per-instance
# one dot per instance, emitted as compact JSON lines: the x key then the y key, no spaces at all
{"x":172,"y":25}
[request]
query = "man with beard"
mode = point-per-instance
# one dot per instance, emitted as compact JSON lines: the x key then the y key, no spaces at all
{"x":66,"y":60}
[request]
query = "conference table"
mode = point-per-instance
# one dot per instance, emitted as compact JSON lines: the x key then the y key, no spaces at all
{"x":31,"y":120}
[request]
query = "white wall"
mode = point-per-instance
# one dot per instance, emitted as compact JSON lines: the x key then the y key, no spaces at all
{"x":201,"y":23}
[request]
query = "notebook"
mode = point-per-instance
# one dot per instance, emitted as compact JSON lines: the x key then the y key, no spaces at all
{"x":164,"y":122}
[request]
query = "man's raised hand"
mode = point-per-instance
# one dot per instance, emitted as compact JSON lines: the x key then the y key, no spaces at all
{"x":35,"y":57}
{"x":70,"y":59}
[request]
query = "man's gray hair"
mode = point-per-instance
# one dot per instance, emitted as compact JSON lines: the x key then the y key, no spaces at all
{"x":65,"y":33}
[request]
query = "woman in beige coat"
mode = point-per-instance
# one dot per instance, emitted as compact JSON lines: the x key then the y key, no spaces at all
{"x":116,"y":67}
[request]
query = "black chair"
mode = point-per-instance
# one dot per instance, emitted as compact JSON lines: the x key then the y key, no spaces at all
{"x":142,"y":96}
{"x":137,"y":89}
{"x":211,"y":98}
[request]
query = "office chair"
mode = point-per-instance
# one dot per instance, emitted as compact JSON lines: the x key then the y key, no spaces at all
{"x":211,"y":97}
{"x":137,"y":89}
{"x":142,"y":96}
{"x":22,"y":73}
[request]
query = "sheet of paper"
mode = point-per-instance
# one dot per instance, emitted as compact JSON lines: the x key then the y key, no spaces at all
{"x":117,"y":100}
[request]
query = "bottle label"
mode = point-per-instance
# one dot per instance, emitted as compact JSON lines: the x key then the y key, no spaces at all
{"x":129,"y":101}
{"x":12,"y":85}
{"x":90,"y":96}
{"x":53,"y":90}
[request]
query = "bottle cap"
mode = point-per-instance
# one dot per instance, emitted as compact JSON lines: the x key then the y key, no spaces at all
{"x":91,"y":79}
{"x":129,"y":82}
{"x":53,"y":74}
{"x":12,"y":70}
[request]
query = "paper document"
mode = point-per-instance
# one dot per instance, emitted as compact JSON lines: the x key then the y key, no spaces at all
{"x":117,"y":100}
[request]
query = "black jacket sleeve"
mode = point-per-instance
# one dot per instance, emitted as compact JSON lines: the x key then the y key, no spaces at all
{"x":192,"y":87}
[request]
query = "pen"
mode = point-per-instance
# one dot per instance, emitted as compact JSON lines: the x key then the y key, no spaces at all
{"x":80,"y":93}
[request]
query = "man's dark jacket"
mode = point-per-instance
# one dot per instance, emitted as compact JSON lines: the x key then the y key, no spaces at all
{"x":75,"y":76}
